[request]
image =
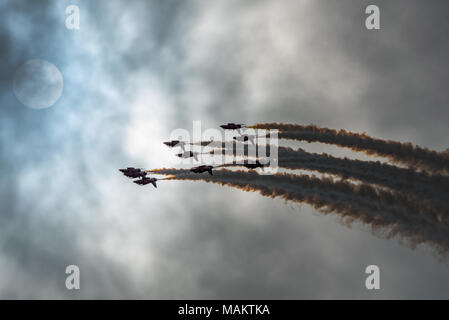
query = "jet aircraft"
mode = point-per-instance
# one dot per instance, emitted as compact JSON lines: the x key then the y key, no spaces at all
{"x":244,"y":138}
{"x":144,"y":181}
{"x":176,"y":143}
{"x":188,"y":154}
{"x":133,"y":172}
{"x":233,"y":126}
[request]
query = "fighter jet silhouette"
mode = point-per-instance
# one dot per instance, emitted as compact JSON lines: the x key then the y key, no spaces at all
{"x":188,"y":154}
{"x":129,"y":169}
{"x":244,"y":138}
{"x":145,"y":181}
{"x":133,"y":172}
{"x":202,"y":169}
{"x":176,"y":143}
{"x":233,"y":126}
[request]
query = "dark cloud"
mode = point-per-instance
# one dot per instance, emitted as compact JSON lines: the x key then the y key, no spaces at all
{"x":404,"y":63}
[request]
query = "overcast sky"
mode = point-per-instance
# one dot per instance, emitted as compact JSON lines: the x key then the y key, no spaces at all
{"x":134,"y":72}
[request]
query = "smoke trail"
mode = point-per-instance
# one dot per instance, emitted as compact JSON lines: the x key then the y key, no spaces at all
{"x":403,"y":153}
{"x":386,"y":211}
{"x":406,"y":180}
{"x":413,"y":184}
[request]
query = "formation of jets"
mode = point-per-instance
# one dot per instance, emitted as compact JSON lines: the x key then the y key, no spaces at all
{"x":133,"y":173}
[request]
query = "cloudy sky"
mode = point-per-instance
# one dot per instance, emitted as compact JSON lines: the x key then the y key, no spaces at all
{"x":134,"y":72}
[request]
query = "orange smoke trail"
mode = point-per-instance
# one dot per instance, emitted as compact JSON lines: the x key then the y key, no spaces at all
{"x":405,"y":180}
{"x":398,"y":152}
{"x":382,"y":210}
